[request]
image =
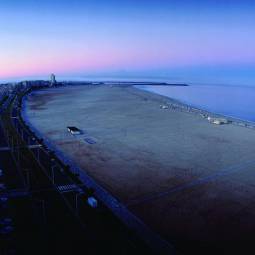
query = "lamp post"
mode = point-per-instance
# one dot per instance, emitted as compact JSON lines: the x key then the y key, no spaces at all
{"x":42,"y":202}
{"x":27,"y":173}
{"x":52,"y":160}
{"x":77,"y":195}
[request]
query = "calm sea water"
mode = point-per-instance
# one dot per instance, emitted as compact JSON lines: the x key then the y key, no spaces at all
{"x":234,"y":101}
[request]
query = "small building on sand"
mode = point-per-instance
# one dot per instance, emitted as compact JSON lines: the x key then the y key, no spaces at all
{"x":74,"y":130}
{"x":218,"y":121}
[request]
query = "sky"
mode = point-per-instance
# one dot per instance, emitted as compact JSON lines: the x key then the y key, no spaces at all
{"x":209,"y":41}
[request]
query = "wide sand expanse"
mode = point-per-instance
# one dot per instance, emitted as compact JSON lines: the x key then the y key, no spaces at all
{"x":191,"y":181}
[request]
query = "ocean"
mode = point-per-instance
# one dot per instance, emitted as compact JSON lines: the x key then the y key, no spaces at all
{"x":233,"y":101}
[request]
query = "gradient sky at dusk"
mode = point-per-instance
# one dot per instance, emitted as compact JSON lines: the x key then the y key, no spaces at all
{"x":169,"y":39}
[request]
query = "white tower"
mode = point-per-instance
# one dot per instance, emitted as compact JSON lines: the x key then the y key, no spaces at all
{"x":52,"y":79}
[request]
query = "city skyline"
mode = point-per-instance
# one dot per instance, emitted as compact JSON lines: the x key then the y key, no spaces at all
{"x":160,"y":39}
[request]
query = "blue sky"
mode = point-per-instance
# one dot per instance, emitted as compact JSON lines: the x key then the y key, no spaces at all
{"x":198,"y":41}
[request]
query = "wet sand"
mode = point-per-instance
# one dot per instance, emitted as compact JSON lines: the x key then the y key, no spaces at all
{"x":191,"y":181}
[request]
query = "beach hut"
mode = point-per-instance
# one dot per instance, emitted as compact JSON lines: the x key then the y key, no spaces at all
{"x":74,"y":130}
{"x":218,"y":121}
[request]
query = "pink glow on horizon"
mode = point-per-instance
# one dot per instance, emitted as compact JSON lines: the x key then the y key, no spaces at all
{"x":89,"y":57}
{"x":68,"y":63}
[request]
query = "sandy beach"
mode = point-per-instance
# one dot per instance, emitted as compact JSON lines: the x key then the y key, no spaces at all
{"x":191,"y":181}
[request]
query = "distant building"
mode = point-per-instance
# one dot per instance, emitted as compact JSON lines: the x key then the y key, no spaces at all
{"x":52,"y":80}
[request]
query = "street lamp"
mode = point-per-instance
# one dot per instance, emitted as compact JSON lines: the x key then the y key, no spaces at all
{"x":77,"y":195}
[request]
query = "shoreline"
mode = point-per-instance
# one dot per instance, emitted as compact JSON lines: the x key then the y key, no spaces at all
{"x":176,"y":104}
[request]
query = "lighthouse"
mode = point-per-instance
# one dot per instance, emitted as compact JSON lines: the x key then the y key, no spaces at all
{"x":52,"y":80}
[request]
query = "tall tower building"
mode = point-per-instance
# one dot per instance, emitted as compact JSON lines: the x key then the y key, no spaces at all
{"x":52,"y":80}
